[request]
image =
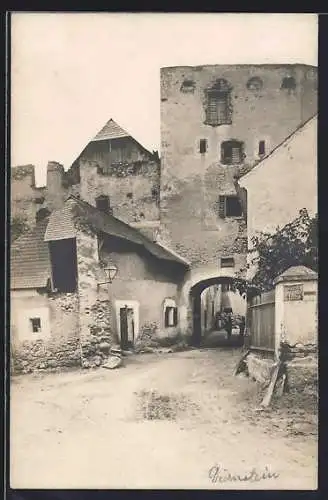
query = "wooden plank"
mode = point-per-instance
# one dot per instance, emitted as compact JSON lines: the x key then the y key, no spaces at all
{"x":268,"y":396}
{"x":239,"y":365}
{"x":259,"y":348}
{"x":261,"y":304}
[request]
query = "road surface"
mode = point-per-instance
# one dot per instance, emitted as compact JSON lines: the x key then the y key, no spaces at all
{"x":175,"y":420}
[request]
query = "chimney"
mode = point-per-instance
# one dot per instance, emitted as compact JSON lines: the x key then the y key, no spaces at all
{"x":55,"y":189}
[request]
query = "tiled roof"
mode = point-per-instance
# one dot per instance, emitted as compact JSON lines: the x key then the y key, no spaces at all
{"x":110,"y":131}
{"x":61,"y":226}
{"x":29,"y":259}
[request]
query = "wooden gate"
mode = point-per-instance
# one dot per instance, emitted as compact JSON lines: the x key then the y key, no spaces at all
{"x":261,"y":321}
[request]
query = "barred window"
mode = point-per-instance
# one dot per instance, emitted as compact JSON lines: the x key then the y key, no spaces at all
{"x":218,"y":110}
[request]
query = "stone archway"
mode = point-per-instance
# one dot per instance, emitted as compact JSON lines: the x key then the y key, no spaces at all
{"x":190,"y":297}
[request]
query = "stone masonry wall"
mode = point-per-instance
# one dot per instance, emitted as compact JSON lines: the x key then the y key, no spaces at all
{"x":95,"y":308}
{"x":61,"y":349}
{"x":26,"y":198}
{"x":133,"y":189}
{"x":301,"y":363}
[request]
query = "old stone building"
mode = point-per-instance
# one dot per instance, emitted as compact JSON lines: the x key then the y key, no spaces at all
{"x":175,"y":227}
{"x":63,"y":309}
{"x":113,"y":168}
{"x":215,"y":121}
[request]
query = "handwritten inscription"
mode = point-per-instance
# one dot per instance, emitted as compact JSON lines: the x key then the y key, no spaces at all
{"x":218,"y":474}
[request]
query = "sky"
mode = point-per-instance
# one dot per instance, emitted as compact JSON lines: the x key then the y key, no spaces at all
{"x":71,"y":73}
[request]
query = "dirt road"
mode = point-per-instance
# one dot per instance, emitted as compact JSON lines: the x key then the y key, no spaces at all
{"x":162,"y":421}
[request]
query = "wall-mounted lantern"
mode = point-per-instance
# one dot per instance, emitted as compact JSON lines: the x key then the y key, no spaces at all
{"x":111,"y":272}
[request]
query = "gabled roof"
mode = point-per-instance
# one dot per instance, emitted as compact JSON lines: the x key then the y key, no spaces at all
{"x":61,"y":226}
{"x":30,"y":260}
{"x":110,"y":131}
{"x":247,"y":170}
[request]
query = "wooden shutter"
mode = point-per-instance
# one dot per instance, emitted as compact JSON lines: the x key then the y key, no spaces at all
{"x":166,"y":316}
{"x":222,"y":109}
{"x":236,"y":154}
{"x":222,"y":207}
{"x":175,"y":316}
{"x":212,"y":110}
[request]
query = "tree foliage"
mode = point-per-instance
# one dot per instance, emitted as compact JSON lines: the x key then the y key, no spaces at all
{"x":293,"y":245}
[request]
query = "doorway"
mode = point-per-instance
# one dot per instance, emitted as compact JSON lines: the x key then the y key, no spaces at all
{"x":127,"y":327}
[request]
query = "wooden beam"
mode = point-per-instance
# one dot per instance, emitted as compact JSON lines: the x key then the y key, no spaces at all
{"x":240,"y":365}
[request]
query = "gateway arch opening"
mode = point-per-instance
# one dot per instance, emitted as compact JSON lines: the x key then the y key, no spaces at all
{"x":218,"y":308}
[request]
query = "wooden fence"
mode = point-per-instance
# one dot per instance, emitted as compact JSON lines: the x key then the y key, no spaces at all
{"x":261,"y":321}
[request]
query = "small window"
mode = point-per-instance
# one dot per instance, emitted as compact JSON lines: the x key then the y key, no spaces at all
{"x":40,"y":200}
{"x":170,"y":313}
{"x":232,"y":152}
{"x":288,"y":83}
{"x":35,"y":324}
{"x":102,"y":203}
{"x":187,"y":86}
{"x":229,"y":206}
{"x":227,"y":262}
{"x":261,"y":148}
{"x":202,"y":146}
{"x":255,"y":84}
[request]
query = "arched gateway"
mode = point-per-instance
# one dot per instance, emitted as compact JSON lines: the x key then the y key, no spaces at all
{"x":190,"y":306}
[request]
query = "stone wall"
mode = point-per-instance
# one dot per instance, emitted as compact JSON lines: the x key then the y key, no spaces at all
{"x":59,"y":349}
{"x":301,"y":363}
{"x":95,"y":308}
{"x":26,"y":198}
{"x":133,"y":189}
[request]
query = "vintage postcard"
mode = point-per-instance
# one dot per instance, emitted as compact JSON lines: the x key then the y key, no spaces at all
{"x":163,"y":311}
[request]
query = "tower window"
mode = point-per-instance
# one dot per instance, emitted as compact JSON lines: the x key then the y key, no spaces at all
{"x":218,"y":110}
{"x":202,"y":146}
{"x":227,"y":262}
{"x":229,"y":206}
{"x":232,"y":152}
{"x":288,"y":83}
{"x":261,"y":148}
{"x":187,"y":86}
{"x":254,"y":84}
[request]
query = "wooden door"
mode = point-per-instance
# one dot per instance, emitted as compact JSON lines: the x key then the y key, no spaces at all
{"x":124,"y":327}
